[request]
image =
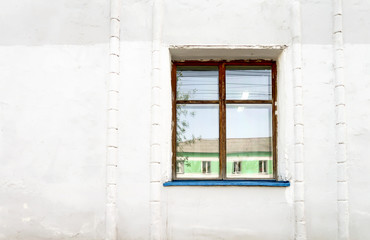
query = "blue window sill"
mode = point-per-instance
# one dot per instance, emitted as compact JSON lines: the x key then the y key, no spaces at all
{"x":265,"y":183}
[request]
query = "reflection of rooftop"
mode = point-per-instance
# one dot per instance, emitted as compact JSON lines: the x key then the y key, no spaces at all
{"x":232,"y":145}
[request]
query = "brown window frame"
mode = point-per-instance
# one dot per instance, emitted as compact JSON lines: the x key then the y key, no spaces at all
{"x":222,"y":110}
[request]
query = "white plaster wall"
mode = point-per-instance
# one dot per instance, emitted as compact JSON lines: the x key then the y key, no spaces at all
{"x":53,"y":71}
{"x":358,"y":88}
{"x":41,"y":22}
{"x":134,"y":153}
{"x":228,"y":213}
{"x":320,"y":168}
{"x":134,"y":114}
{"x":319,"y":119}
{"x":357,"y":72}
{"x":52,"y":141}
{"x":223,"y":22}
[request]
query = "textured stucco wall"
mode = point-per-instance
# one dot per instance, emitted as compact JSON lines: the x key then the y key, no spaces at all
{"x":357,"y":72}
{"x":53,"y":69}
{"x":52,"y":141}
{"x":54,"y":66}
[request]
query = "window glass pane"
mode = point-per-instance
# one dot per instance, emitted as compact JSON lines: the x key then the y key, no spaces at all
{"x":249,"y":141}
{"x":248,"y":83}
{"x":197,"y":151}
{"x":197,"y":83}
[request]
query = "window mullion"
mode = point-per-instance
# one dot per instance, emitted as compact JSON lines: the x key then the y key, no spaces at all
{"x":222,"y":116}
{"x":274,"y":120}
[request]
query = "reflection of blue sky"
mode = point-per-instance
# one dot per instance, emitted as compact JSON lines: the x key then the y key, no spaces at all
{"x":248,"y":121}
{"x":204,"y":123}
{"x":242,"y":121}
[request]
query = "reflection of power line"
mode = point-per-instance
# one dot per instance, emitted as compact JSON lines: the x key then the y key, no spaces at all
{"x":248,"y":84}
{"x":216,"y":92}
{"x":228,"y":93}
{"x":229,"y":73}
{"x":227,"y":84}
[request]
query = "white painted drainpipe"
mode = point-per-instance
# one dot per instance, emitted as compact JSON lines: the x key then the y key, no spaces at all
{"x":155,"y":144}
{"x":340,"y":122}
{"x":299,"y":184}
{"x":112,"y":132}
{"x":112,"y":126}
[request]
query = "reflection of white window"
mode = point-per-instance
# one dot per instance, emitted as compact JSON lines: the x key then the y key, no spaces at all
{"x":263,"y":166}
{"x":180,"y":167}
{"x":206,"y":167}
{"x":237,"y":167}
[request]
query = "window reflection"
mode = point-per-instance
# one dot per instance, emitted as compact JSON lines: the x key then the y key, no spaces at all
{"x":248,"y":83}
{"x":197,"y":83}
{"x":197,"y":140}
{"x":249,"y":141}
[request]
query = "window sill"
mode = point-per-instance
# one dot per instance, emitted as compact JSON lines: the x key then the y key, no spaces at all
{"x":263,"y":183}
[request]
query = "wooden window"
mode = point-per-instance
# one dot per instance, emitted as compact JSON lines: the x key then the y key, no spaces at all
{"x":223,"y":112}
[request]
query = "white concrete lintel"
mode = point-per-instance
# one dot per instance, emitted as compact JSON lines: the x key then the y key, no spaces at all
{"x":225,"y":52}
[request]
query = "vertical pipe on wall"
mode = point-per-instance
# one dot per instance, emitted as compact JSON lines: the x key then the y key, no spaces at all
{"x":155,"y":145}
{"x":299,"y":185}
{"x":112,"y":126}
{"x":340,"y":122}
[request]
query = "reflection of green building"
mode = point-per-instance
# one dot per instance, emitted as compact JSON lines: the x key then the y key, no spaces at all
{"x":245,"y":157}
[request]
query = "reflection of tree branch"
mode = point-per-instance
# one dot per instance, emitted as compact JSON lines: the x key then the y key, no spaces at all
{"x":183,"y":125}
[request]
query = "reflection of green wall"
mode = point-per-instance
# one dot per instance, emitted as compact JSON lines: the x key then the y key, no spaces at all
{"x":246,"y":167}
{"x":249,"y":166}
{"x":269,"y":166}
{"x":214,"y":167}
{"x":242,"y":154}
{"x":192,"y":166}
{"x":196,"y":167}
